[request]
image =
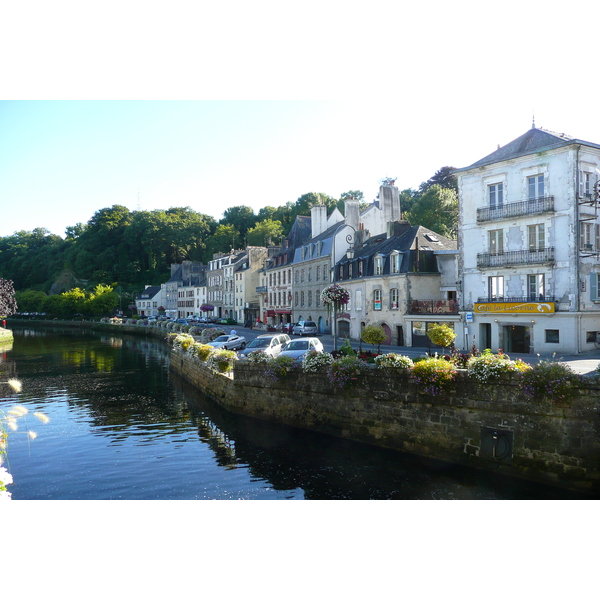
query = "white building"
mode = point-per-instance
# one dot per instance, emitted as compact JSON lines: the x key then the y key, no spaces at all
{"x":529,"y":242}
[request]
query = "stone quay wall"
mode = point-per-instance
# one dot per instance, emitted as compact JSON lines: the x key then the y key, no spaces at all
{"x":490,"y":427}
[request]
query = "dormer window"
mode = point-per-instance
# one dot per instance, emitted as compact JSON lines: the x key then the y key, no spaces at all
{"x":378,"y":264}
{"x":395,"y":262}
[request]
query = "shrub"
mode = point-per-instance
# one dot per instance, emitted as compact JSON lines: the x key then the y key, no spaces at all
{"x":200,"y":351}
{"x":211,"y":333}
{"x":489,"y":367}
{"x":182,"y":341}
{"x":433,"y":375}
{"x":278,"y":367}
{"x":393,"y":361}
{"x":346,"y":349}
{"x":344,"y":371}
{"x":315,"y":361}
{"x":222,"y":360}
{"x":551,"y":380}
{"x":441,"y":335}
{"x":259,"y":357}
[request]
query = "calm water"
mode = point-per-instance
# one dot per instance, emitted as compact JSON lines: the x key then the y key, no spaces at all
{"x":123,"y":427}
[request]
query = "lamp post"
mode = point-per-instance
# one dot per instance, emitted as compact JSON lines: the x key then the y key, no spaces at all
{"x":350,"y":240}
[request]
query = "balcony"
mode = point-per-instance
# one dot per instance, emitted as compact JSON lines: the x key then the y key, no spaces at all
{"x":516,"y":209}
{"x":505,"y":299}
{"x":433,"y":307}
{"x":518,"y":257}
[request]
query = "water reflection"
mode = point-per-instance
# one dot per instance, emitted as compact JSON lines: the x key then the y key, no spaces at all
{"x":123,"y":426}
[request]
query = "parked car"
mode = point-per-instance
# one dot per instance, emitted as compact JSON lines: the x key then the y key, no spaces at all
{"x":269,"y":343}
{"x":296,"y":349}
{"x":229,"y":342}
{"x":305,"y":328}
{"x":182,"y":321}
{"x":151,"y":319}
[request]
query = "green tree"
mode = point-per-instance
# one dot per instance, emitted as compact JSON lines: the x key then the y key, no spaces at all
{"x":102,"y":301}
{"x":436,"y":209}
{"x":265,"y":233}
{"x":373,"y":334}
{"x":442,"y":177}
{"x":241,"y":218}
{"x":224,"y":239}
{"x":441,"y":335}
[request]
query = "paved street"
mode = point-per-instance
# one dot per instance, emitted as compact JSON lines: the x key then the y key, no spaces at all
{"x":583,"y":364}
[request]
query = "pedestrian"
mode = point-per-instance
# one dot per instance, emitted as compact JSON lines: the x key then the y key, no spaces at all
{"x":233,"y":332}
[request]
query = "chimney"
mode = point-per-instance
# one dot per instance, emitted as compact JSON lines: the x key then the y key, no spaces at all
{"x":397,"y":228}
{"x":389,"y":202}
{"x":318,"y":219}
{"x":351,"y":212}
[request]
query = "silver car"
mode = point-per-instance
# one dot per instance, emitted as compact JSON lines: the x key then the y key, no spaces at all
{"x":269,"y":343}
{"x":305,"y":328}
{"x":229,"y":342}
{"x":296,"y":349}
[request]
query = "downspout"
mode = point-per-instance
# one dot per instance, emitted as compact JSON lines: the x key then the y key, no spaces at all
{"x":577,"y":250}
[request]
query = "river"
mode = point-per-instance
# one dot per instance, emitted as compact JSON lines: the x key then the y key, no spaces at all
{"x":123,"y":427}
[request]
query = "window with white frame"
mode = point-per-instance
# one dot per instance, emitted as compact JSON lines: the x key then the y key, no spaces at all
{"x":395,"y":262}
{"x":536,"y":286}
{"x":537,"y":236}
{"x":586,"y":184}
{"x":358,"y":300}
{"x":496,"y":239}
{"x":394,"y":299}
{"x":377,"y":299}
{"x":378,"y":264}
{"x":496,"y":286}
{"x":535,"y":187}
{"x":496,"y":195}
{"x":589,"y":236}
{"x":595,"y":287}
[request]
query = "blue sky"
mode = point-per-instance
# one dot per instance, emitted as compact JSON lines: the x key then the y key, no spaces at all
{"x":280,"y":103}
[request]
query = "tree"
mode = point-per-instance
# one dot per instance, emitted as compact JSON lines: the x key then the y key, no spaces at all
{"x":265,"y":233}
{"x":436,"y":209}
{"x":442,"y":177}
{"x":373,"y":334}
{"x":241,"y":218}
{"x":441,"y":335}
{"x":357,"y":195}
{"x":224,"y":239}
{"x":102,"y":301}
{"x":8,"y":304}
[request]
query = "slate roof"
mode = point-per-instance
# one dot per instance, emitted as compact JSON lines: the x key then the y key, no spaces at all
{"x":534,"y":140}
{"x":406,"y":241}
{"x":149,"y":292}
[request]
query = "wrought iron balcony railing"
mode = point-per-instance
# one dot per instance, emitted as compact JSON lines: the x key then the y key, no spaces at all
{"x":428,"y":307}
{"x":516,"y":209}
{"x":517,"y":257}
{"x":530,"y":298}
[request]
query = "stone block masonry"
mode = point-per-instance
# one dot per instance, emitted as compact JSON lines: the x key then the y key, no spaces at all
{"x":490,"y":427}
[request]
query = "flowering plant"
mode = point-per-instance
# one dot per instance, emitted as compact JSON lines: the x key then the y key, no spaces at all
{"x":550,"y":379}
{"x":208,"y":335}
{"x":279,"y":367}
{"x":182,"y":341}
{"x":259,"y":357}
{"x":393,"y":361}
{"x":344,"y":371}
{"x":488,"y":366}
{"x":335,"y":295}
{"x":222,"y":361}
{"x":433,"y":375}
{"x":207,"y":308}
{"x":200,"y":351}
{"x":314,"y":361}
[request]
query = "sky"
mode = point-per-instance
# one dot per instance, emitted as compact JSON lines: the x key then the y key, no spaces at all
{"x":170,"y":111}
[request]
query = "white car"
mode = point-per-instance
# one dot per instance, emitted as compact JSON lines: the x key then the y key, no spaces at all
{"x":305,"y":327}
{"x":229,"y":342}
{"x":296,"y":349}
{"x":270,"y":343}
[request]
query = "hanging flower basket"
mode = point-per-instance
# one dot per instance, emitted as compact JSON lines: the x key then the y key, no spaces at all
{"x":335,"y":295}
{"x":207,"y":308}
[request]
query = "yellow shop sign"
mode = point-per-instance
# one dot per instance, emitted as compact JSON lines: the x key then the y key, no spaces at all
{"x":514,"y":307}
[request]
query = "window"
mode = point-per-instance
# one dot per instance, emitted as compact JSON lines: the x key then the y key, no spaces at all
{"x":318,"y":278}
{"x":296,"y":298}
{"x":296,"y":276}
{"x":589,"y":237}
{"x":358,"y":300}
{"x":586,"y":184}
{"x":301,"y":298}
{"x":496,"y":241}
{"x":378,"y":264}
{"x":535,"y":287}
{"x":537,"y":237}
{"x":309,"y":298}
{"x":309,"y":273}
{"x":360,"y":268}
{"x":317,"y":298}
{"x":552,"y":336}
{"x":535,"y":187}
{"x":496,"y":286}
{"x":394,"y":298}
{"x":496,"y":195}
{"x":376,"y":299}
{"x":341,"y":272}
{"x":302,"y":276}
{"x":395,"y":262}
